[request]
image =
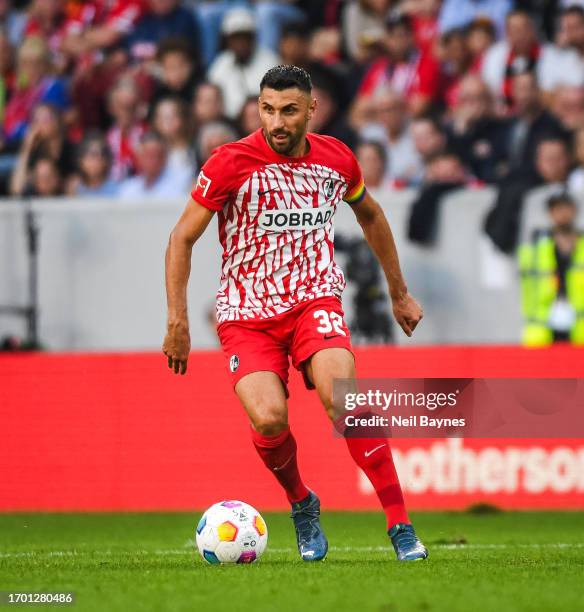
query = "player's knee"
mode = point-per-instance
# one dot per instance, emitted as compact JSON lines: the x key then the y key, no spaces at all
{"x":270,"y":423}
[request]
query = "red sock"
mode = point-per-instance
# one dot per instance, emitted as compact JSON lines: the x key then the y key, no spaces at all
{"x":373,"y":456}
{"x":279,"y":455}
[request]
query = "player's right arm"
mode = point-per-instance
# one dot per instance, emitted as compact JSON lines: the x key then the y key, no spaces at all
{"x":187,"y":231}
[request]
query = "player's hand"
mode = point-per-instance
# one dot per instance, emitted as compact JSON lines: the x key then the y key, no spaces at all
{"x":407,"y":312}
{"x":177,"y":345}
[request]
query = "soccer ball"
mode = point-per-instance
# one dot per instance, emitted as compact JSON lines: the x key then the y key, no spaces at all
{"x":231,"y":532}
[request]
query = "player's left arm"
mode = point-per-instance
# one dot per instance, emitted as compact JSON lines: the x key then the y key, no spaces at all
{"x":372,"y":219}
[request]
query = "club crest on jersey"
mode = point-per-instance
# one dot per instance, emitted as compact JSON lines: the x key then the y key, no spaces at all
{"x":329,"y":188}
{"x":233,"y":363}
{"x":280,"y":220}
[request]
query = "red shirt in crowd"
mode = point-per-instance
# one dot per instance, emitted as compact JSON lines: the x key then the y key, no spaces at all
{"x":121,"y":15}
{"x":418,"y":76}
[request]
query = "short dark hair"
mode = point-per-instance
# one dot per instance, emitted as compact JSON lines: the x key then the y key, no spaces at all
{"x":90,"y":138}
{"x":286,"y":77}
{"x":171,"y":45}
{"x":297,"y":29}
{"x":398,"y":19}
{"x":574,"y":9}
{"x":451,"y":34}
{"x":561,"y":199}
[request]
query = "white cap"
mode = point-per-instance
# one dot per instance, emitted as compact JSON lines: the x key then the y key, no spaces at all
{"x":238,"y":20}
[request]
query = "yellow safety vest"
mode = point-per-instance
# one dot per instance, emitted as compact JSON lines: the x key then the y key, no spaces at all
{"x":539,"y":289}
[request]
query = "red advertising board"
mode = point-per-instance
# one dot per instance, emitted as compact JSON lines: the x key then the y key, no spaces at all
{"x":120,"y":432}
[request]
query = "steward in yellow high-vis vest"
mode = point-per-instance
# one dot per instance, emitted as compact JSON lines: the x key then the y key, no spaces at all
{"x":552,"y":279}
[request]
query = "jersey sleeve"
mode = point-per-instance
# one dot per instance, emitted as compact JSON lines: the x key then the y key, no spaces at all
{"x":213,"y":187}
{"x":356,"y":189}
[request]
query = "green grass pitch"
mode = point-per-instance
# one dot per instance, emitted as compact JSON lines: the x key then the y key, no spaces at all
{"x":142,"y":561}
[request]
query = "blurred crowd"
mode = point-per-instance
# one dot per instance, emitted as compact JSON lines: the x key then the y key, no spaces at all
{"x":128,"y":98}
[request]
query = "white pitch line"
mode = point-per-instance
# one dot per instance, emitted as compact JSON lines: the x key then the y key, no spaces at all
{"x":356,"y":549}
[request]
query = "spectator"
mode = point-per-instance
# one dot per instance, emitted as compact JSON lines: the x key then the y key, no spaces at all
{"x":100,"y":25}
{"x":12,"y":22}
{"x":552,"y":279}
{"x":46,"y":182}
{"x":171,"y":121}
{"x":446,"y":167}
{"x":295,"y":48}
{"x":391,"y":127}
{"x":460,"y":13}
{"x":239,"y":69}
{"x":474,"y":133}
{"x":127,"y":129}
{"x":154,"y":179}
{"x":47,"y":19}
{"x":576,"y":178}
{"x":93,"y":171}
{"x":531,"y":124}
{"x":45,"y":139}
{"x":456,"y":61}
{"x":522,"y":52}
{"x":294,"y":45}
{"x":295,"y":51}
{"x":272,"y":17}
{"x":249,"y":117}
{"x":567,"y":105}
{"x":34,"y":84}
{"x":7,"y":76}
{"x":480,"y":36}
{"x":523,"y":135}
{"x":325,"y":46}
{"x":207,"y":104}
{"x":372,"y":158}
{"x":91,"y":89}
{"x":445,"y":173}
{"x":552,"y":168}
{"x":213,"y":135}
{"x":360,"y":18}
{"x":328,"y":118}
{"x":570,"y":34}
{"x":424,"y":15}
{"x":163,"y":19}
{"x":178,"y":72}
{"x":429,"y":140}
{"x":404,"y":69}
{"x":553,"y":162}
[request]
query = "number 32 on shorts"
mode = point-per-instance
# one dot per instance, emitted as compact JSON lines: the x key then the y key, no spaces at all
{"x":329,"y":321}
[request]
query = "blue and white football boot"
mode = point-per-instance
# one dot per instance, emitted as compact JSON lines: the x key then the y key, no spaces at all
{"x":312,"y":543}
{"x":406,"y":543}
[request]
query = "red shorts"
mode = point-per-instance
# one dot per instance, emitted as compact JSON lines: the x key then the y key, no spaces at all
{"x":265,"y":344}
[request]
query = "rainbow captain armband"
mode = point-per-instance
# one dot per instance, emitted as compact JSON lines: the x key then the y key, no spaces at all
{"x":356,"y":194}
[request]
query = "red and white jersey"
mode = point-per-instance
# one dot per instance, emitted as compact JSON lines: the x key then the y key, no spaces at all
{"x":276,"y":222}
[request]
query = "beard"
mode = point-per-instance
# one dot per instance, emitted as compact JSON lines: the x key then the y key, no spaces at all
{"x":285,"y":147}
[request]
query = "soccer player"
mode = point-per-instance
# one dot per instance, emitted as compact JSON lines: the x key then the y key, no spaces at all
{"x":275,"y":193}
